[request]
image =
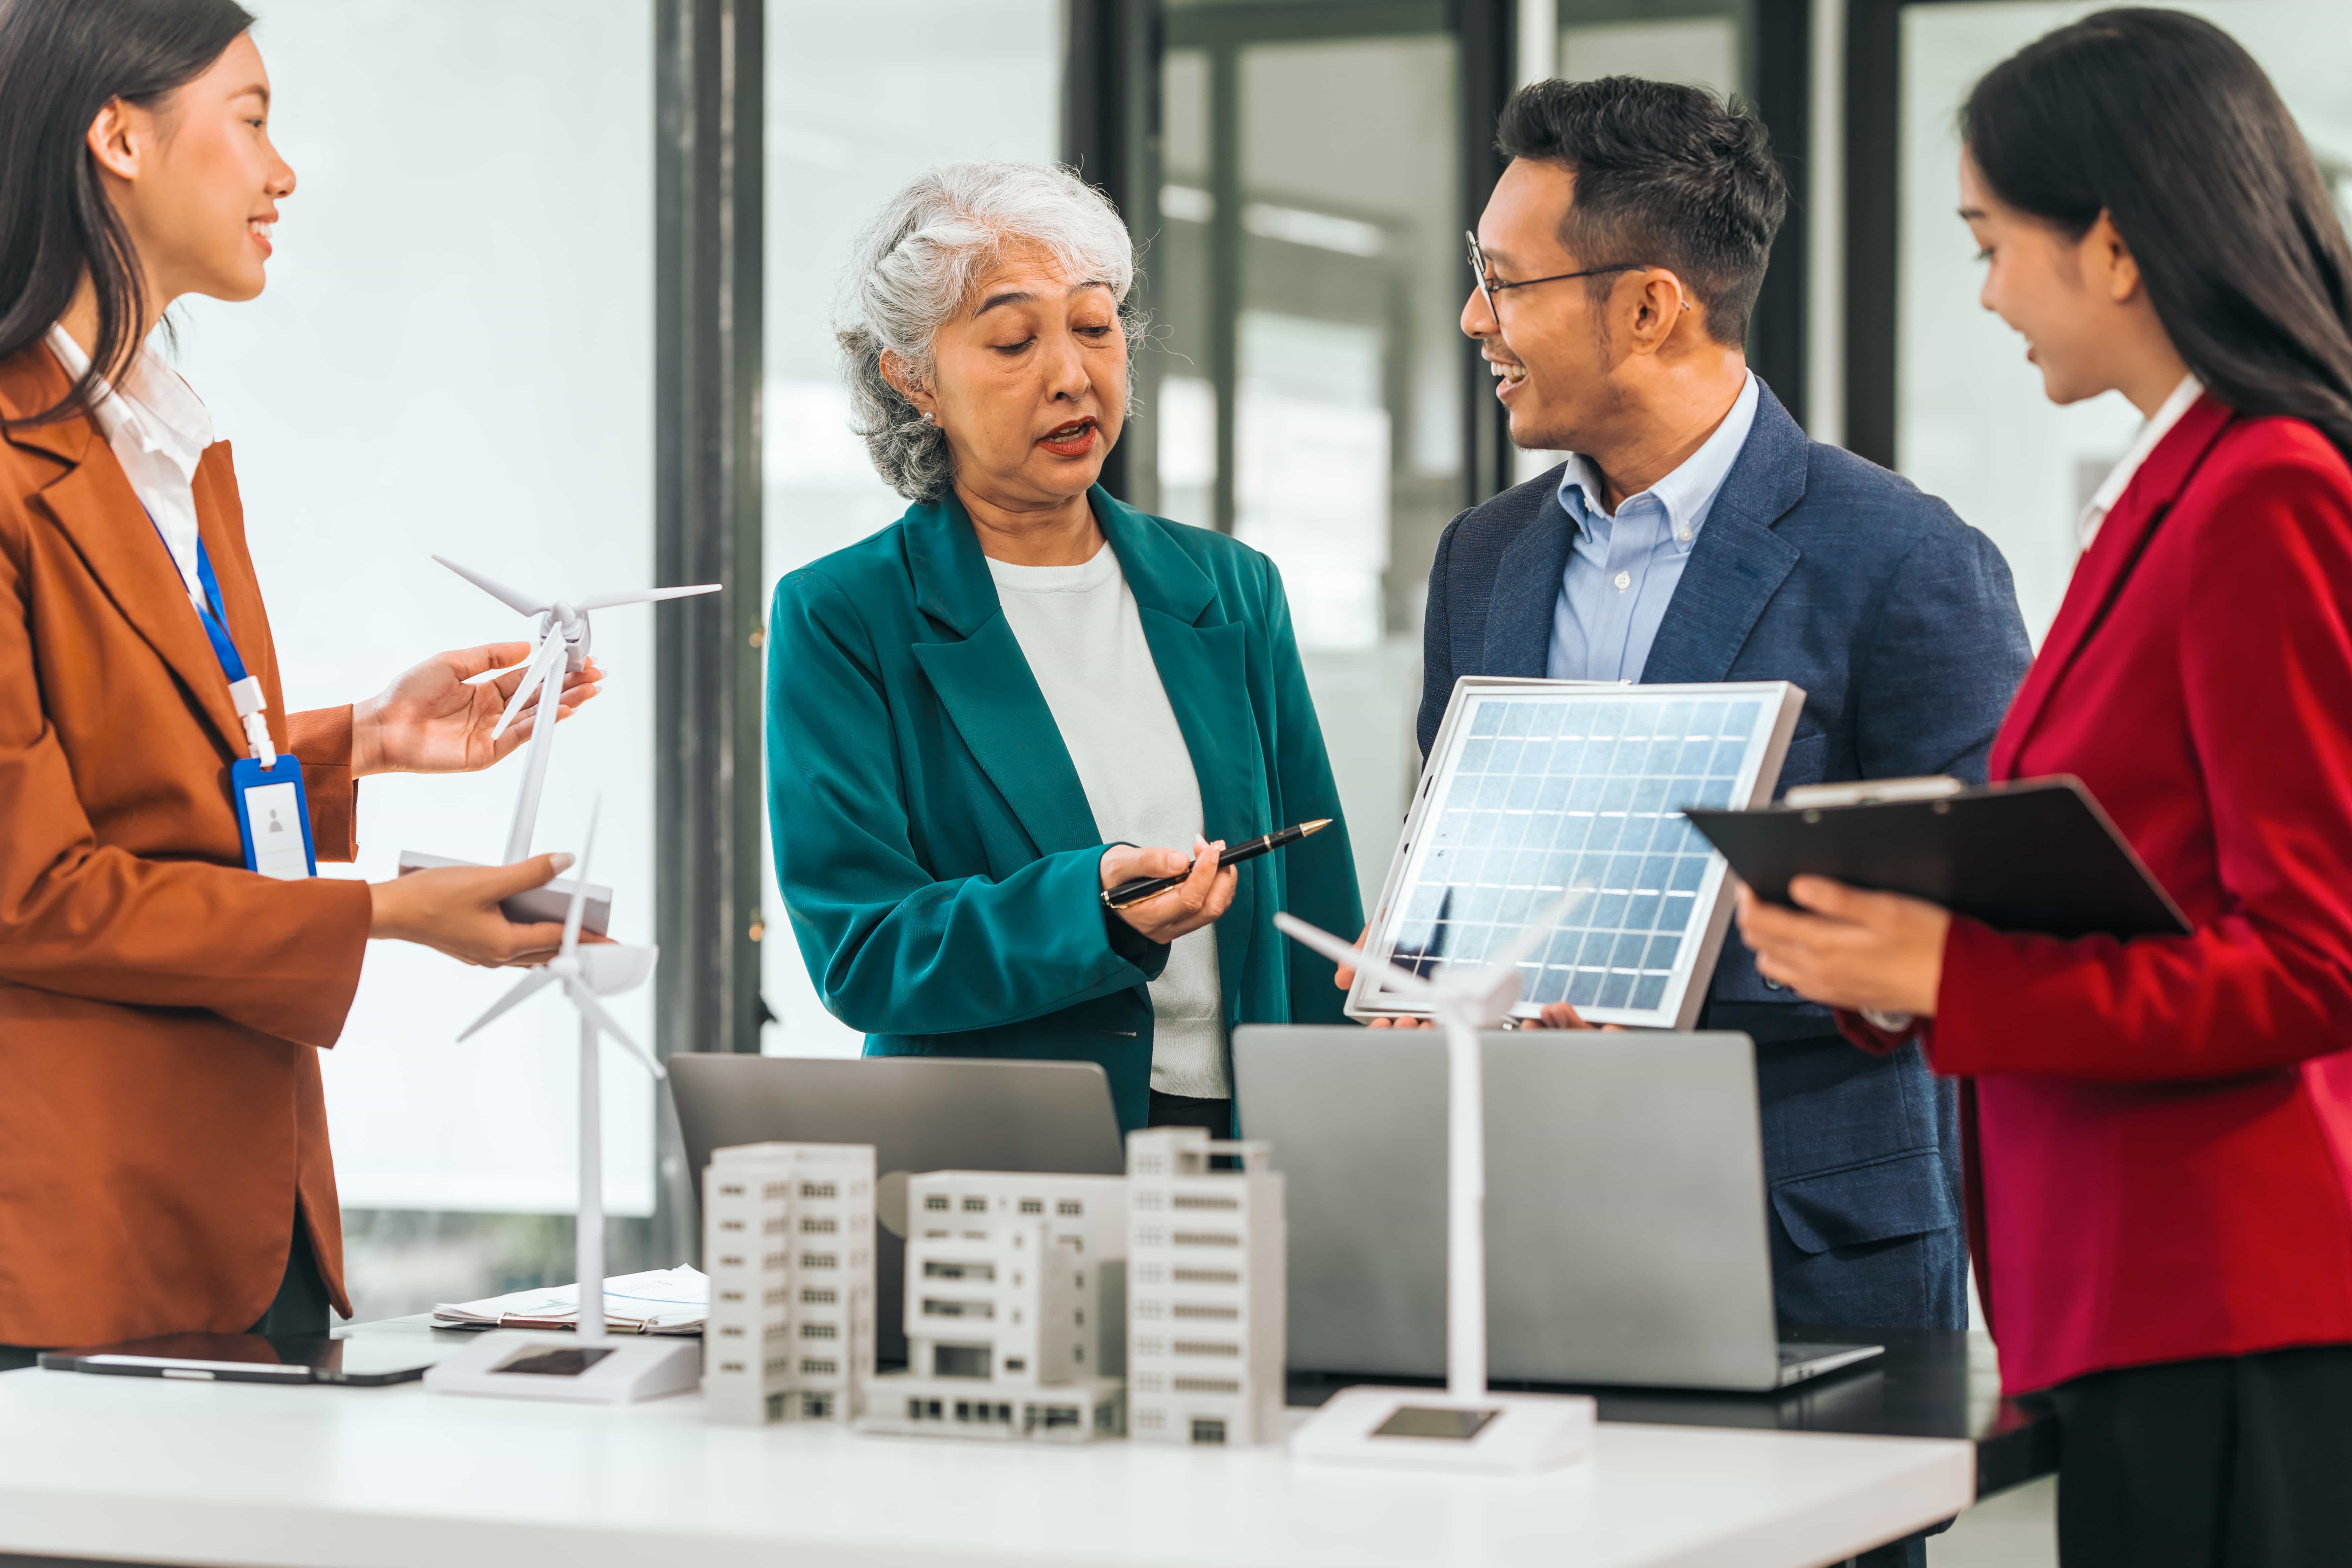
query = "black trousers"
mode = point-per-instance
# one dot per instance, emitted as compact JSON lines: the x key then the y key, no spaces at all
{"x":302,"y":1306}
{"x":1215,"y":1116}
{"x":2233,"y":1462}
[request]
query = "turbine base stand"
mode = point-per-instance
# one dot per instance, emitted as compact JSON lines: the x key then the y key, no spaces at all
{"x":520,"y":1364}
{"x":1429,"y":1429}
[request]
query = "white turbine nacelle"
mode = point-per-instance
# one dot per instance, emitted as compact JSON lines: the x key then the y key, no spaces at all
{"x":1480,"y":996}
{"x":564,"y":637}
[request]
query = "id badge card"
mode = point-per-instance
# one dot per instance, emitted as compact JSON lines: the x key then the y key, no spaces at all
{"x":273,"y":817}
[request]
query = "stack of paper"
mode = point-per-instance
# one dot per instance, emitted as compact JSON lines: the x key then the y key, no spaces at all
{"x":660,"y":1302}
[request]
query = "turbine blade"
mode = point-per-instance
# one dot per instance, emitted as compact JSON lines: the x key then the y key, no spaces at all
{"x":1347,"y":953}
{"x":512,"y":598}
{"x":607,"y":1025}
{"x":580,"y":883}
{"x":531,"y":985}
{"x":645,"y":595}
{"x":543,"y":659}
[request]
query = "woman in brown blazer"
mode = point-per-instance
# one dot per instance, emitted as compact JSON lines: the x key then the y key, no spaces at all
{"x":164,"y":1160}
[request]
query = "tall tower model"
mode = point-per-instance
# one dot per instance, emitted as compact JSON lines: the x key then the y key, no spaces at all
{"x":1206,"y":1316}
{"x":1014,"y":1325}
{"x":788,"y":1243}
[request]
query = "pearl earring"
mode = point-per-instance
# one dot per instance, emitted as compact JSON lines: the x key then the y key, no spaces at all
{"x":928,"y":417}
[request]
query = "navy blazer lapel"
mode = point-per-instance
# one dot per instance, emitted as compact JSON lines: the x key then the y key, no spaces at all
{"x":1737,"y":563}
{"x":1526,"y":593}
{"x":984,"y":682}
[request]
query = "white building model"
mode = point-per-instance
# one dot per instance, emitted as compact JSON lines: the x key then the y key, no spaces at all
{"x":1013,"y":1297}
{"x":1206,"y":1304}
{"x":788,"y":1243}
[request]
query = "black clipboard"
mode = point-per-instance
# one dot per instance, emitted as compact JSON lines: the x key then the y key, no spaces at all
{"x":2034,"y":855}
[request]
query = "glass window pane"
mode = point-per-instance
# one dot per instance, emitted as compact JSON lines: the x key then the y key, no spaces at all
{"x":1333,"y":272}
{"x":860,"y":99}
{"x":455,"y":354}
{"x":1973,"y":425}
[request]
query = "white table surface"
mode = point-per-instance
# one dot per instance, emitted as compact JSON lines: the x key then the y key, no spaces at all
{"x":160,"y":1471}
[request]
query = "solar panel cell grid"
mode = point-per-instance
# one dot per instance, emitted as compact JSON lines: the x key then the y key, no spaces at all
{"x":1550,"y":796}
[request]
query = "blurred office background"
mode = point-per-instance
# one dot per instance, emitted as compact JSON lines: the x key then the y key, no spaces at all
{"x":553,"y":299}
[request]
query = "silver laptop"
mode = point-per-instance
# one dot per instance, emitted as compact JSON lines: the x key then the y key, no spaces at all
{"x":1625,"y":1207}
{"x":920,"y":1113}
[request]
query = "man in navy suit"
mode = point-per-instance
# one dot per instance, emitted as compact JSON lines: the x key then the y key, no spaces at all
{"x":1696,"y":535}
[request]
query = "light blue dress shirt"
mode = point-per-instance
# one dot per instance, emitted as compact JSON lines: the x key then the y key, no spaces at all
{"x":1622,"y":570}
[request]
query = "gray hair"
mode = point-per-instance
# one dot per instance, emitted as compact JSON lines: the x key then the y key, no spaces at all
{"x":913,"y":267}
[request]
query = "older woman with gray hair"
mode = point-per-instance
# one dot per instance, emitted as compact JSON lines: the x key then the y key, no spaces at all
{"x":1024,"y":692}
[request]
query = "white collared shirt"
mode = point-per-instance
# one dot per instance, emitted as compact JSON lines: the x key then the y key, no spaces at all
{"x":2111,"y":489}
{"x":159,"y":429}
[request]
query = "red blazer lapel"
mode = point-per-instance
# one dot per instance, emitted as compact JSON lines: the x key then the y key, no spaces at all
{"x":2105,"y":568}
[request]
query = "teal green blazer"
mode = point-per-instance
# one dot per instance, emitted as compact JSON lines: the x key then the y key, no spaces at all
{"x":934,"y":846}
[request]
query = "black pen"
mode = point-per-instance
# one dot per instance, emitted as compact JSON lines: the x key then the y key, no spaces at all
{"x":1128,"y":893}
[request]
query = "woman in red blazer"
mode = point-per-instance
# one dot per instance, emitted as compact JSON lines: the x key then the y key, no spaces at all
{"x":2160,"y":1130}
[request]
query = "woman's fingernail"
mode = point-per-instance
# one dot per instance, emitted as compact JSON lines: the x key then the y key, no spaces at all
{"x":561,"y":860}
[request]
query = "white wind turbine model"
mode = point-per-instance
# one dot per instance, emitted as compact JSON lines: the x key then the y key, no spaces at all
{"x":586,"y":1365}
{"x":563,"y":647}
{"x":1467,"y":1428}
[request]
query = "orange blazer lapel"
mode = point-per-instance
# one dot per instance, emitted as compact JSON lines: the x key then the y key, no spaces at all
{"x":93,"y":505}
{"x":2105,"y":566}
{"x":220,"y":519}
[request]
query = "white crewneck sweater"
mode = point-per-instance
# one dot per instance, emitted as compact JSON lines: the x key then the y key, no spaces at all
{"x":1080,"y":630}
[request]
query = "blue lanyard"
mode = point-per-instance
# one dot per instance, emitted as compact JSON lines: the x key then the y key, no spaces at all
{"x":212,"y":610}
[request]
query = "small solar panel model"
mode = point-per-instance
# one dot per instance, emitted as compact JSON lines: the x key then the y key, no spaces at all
{"x":1535,"y":789}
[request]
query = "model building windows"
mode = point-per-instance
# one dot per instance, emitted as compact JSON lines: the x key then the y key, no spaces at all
{"x":819,"y":1225}
{"x":975,"y":1206}
{"x":1033,"y":1205}
{"x":811,"y":1367}
{"x":1069,"y":1208}
{"x":1207,"y":1430}
{"x":960,"y":1360}
{"x":820,"y":1260}
{"x":935,"y":1308}
{"x":935,"y":1269}
{"x":817,"y":1407}
{"x":820,"y":1332}
{"x":936,"y":1203}
{"x":1198,"y":1201}
{"x":1203,"y":1310}
{"x":1205,"y":1347}
{"x":813,"y":1297}
{"x":819,"y":1190}
{"x":1016,"y":1363}
{"x":1207,"y":1386}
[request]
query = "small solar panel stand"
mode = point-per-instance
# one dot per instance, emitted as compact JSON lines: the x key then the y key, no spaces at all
{"x":1536,"y":788}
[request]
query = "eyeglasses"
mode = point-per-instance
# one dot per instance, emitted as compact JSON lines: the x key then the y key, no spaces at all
{"x":1489,"y":285}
